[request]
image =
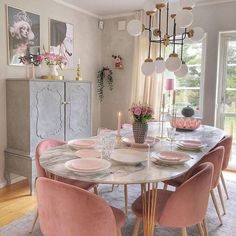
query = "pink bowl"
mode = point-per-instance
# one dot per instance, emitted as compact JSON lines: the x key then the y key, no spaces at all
{"x":185,"y":123}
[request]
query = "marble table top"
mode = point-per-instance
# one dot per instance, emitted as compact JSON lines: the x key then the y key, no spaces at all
{"x":53,"y":161}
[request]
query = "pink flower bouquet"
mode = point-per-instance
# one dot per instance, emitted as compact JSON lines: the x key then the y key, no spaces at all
{"x":53,"y":59}
{"x":141,"y":113}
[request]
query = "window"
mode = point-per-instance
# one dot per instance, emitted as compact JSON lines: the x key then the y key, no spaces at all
{"x":189,"y":90}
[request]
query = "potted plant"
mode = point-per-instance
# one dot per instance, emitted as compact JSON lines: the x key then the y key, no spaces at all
{"x":104,"y":74}
{"x":141,"y":115}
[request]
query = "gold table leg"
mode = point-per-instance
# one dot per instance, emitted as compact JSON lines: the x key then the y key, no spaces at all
{"x":149,"y":195}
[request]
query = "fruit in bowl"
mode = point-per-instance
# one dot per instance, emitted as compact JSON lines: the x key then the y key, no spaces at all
{"x":185,"y":123}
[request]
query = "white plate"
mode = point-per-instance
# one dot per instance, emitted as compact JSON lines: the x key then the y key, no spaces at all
{"x":129,"y":156}
{"x":88,"y":165}
{"x":181,"y":157}
{"x":88,"y":153}
{"x":129,"y":141}
{"x":82,"y":143}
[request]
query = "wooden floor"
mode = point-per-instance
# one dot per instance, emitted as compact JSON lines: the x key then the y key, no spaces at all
{"x":15,"y":202}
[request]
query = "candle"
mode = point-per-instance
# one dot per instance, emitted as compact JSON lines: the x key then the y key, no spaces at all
{"x":163,"y":101}
{"x":174,"y":95}
{"x":119,"y":123}
{"x":79,"y":61}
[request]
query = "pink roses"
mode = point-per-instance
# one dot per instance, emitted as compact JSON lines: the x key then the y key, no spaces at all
{"x":141,"y":113}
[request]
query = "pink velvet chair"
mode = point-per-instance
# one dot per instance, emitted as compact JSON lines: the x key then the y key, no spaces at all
{"x":226,"y":142}
{"x":68,"y":210}
{"x":186,"y":206}
{"x":216,"y":158}
{"x":44,"y":146}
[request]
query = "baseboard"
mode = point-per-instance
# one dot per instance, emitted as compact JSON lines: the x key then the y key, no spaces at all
{"x":17,"y":179}
{"x":3,"y":183}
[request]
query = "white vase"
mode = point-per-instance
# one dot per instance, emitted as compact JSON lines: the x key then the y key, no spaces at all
{"x":53,"y":70}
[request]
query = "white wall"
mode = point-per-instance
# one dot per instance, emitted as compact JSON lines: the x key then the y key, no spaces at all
{"x":87,"y":46}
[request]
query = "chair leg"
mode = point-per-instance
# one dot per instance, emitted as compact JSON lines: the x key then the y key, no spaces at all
{"x":119,"y":232}
{"x":204,"y":223}
{"x":184,"y":232}
{"x":165,"y":186}
{"x":126,"y":199}
{"x":35,"y":220}
{"x":136,"y":226}
{"x":95,"y":189}
{"x":221,"y":198}
{"x":224,"y":185}
{"x":200,"y":229}
{"x":216,"y":206}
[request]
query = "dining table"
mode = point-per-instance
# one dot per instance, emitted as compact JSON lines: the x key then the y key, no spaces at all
{"x":148,"y":174}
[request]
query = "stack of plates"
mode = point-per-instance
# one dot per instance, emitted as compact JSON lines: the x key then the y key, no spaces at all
{"x":88,"y":165}
{"x":171,"y":157}
{"x":82,"y":143}
{"x":129,"y":141}
{"x":88,"y":153}
{"x":190,"y":145}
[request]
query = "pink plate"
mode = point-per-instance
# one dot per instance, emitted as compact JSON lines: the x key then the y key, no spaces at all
{"x":87,"y":153}
{"x":82,"y":143}
{"x":191,"y":143}
{"x":173,"y":156}
{"x":149,"y":140}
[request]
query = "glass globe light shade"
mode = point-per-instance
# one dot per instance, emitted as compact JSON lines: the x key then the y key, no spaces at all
{"x":174,"y":7}
{"x":149,"y":6}
{"x":160,"y":2}
{"x":160,"y":65}
{"x":187,"y":3}
{"x":182,"y":71}
{"x":148,"y":67}
{"x":184,"y":18}
{"x":198,"y":34}
{"x":173,"y":63}
{"x":135,"y":27}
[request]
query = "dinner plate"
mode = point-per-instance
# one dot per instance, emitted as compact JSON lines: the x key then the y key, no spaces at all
{"x":88,"y":165}
{"x":171,"y":157}
{"x":88,"y":153}
{"x":82,"y":143}
{"x":190,"y":144}
{"x":129,"y":156}
{"x":129,"y":141}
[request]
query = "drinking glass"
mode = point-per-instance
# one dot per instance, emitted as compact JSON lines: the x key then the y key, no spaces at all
{"x":108,"y":144}
{"x":171,"y":135}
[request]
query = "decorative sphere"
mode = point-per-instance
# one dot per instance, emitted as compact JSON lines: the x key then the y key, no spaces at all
{"x":173,"y":63}
{"x":148,"y":68}
{"x":184,"y":18}
{"x":182,"y":71}
{"x":134,"y":27}
{"x":198,"y":34}
{"x":187,"y":111}
{"x":160,"y":65}
{"x":149,"y":5}
{"x":187,"y":3}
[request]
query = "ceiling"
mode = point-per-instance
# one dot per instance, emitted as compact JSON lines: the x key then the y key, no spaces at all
{"x":104,"y":8}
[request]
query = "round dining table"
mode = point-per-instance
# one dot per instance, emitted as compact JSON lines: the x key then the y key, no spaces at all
{"x":148,"y":173}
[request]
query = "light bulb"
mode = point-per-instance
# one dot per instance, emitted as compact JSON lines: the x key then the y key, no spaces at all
{"x":148,"y":67}
{"x":135,"y":27}
{"x":187,"y":3}
{"x":149,"y":6}
{"x":182,"y":71}
{"x":160,"y":65}
{"x":173,"y":63}
{"x":184,"y":18}
{"x":198,"y":34}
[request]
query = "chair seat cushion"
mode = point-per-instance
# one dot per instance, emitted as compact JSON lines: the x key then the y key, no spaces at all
{"x":162,"y":197}
{"x":119,"y":216}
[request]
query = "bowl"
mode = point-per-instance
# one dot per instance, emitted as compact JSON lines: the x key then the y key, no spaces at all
{"x":185,"y":123}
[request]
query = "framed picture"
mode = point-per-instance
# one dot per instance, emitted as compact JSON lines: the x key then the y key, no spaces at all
{"x":62,"y":40}
{"x":23,"y":34}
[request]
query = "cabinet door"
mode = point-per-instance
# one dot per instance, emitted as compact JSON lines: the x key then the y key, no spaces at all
{"x":47,"y":111}
{"x":78,"y":110}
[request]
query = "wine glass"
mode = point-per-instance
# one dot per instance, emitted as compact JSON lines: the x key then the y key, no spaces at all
{"x":171,"y":135}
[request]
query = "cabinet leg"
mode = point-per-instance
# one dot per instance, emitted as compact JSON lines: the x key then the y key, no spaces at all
{"x":31,"y":185}
{"x":7,"y":177}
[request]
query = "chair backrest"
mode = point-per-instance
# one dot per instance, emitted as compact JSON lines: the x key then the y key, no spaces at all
{"x":188,"y":205}
{"x":215,"y":157}
{"x":42,"y":147}
{"x":67,"y":210}
{"x":226,"y":142}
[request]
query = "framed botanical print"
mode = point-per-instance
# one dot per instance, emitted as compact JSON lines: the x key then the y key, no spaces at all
{"x":23,"y":34}
{"x":62,"y":40}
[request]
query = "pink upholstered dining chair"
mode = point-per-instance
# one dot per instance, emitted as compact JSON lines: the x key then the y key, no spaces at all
{"x":216,"y":158}
{"x":226,"y":142}
{"x":44,"y":146}
{"x":186,"y":206}
{"x":68,"y":210}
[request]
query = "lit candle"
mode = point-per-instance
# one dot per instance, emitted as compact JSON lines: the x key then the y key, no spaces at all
{"x":119,"y":123}
{"x":174,"y":95}
{"x":163,"y":101}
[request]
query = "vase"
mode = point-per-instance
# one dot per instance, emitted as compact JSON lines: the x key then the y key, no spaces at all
{"x":27,"y":71}
{"x":140,"y":132}
{"x":53,"y":70}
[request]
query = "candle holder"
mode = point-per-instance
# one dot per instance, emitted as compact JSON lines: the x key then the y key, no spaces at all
{"x":118,"y":141}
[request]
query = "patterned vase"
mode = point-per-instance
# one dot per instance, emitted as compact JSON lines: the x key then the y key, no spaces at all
{"x":140,"y":132}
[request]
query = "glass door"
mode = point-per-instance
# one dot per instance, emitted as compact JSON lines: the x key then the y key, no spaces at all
{"x":227,"y":90}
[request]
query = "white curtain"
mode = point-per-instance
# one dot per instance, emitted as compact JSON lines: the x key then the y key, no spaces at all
{"x":146,"y":89}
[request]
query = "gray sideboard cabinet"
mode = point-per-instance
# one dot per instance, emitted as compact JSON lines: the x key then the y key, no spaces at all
{"x":43,"y":109}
